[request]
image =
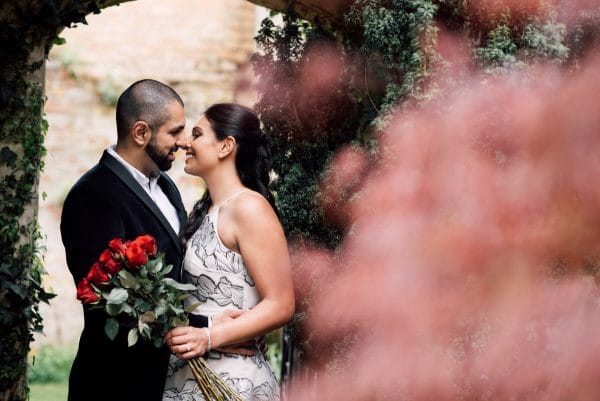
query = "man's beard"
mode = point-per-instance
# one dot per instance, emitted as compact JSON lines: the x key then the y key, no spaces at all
{"x":161,"y":160}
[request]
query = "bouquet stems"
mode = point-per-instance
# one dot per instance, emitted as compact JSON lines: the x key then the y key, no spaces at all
{"x":212,"y":386}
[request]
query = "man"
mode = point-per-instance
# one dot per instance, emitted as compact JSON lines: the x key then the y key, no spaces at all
{"x":125,"y":195}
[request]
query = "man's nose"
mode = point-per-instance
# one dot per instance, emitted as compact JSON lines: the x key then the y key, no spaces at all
{"x":181,"y":140}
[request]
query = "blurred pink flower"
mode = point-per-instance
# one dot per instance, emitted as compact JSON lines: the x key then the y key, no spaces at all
{"x":469,"y":269}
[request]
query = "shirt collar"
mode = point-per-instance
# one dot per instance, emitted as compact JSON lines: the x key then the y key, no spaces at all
{"x":148,"y":183}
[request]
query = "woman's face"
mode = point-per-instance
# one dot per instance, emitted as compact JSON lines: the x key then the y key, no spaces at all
{"x":203,"y":148}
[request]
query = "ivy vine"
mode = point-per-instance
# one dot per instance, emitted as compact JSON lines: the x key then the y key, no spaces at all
{"x":21,"y":267}
{"x":28,"y":29}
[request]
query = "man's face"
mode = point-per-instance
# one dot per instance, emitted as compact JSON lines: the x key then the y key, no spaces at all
{"x":168,"y":138}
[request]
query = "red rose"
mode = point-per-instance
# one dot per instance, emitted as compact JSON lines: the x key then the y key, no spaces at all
{"x":97,"y":275}
{"x":85,"y":292}
{"x":117,"y":247}
{"x":135,"y":256}
{"x":147,"y":243}
{"x":107,"y":260}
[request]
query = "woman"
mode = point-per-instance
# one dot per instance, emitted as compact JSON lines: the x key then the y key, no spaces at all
{"x":236,"y":254}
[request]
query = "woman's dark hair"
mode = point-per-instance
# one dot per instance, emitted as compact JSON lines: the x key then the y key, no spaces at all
{"x":252,"y":159}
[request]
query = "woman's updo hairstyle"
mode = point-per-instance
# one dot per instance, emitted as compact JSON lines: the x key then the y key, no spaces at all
{"x":252,"y":159}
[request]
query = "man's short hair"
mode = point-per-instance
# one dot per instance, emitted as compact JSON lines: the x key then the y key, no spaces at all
{"x":146,"y":100}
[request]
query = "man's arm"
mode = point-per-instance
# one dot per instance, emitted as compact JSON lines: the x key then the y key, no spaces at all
{"x":89,"y":221}
{"x":198,"y":320}
{"x":247,"y":348}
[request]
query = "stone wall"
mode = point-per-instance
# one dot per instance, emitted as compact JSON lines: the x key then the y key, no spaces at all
{"x":200,"y":47}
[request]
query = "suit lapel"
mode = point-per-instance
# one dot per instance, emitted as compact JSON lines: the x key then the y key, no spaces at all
{"x":120,"y":171}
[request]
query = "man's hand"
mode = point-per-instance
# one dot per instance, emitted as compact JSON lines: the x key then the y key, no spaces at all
{"x":247,"y":348}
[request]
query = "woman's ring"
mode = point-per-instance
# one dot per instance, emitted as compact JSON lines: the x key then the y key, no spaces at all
{"x":187,"y":347}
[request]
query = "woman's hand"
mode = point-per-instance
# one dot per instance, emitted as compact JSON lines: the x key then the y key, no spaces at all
{"x":188,"y":342}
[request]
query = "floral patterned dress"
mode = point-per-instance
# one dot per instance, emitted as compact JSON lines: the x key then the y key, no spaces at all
{"x":223,"y":282}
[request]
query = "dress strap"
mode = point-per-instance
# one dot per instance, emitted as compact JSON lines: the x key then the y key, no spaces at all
{"x":230,"y":197}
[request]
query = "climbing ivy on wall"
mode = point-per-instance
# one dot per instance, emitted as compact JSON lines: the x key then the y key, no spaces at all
{"x":28,"y":29}
{"x":21,"y":268}
{"x":305,"y":129}
{"x":392,"y":44}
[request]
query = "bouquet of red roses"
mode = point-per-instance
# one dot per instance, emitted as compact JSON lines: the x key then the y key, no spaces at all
{"x":129,"y":279}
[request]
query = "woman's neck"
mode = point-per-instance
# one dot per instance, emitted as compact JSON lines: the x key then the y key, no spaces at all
{"x":222,"y":186}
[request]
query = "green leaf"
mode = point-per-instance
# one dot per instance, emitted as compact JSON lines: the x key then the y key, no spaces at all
{"x":158,"y":342}
{"x":177,"y":322}
{"x":117,"y":296}
{"x":160,"y":310}
{"x":159,"y":291}
{"x":7,"y":156}
{"x":20,"y":291}
{"x":113,"y":309}
{"x":183,"y":297}
{"x":128,"y":280}
{"x":132,"y":337}
{"x":166,"y":269}
{"x":180,"y":286}
{"x":111,"y":328}
{"x":147,"y":332}
{"x":158,"y":265}
{"x":151,"y":265}
{"x":59,"y":41}
{"x":193,"y":306}
{"x":143,"y":306}
{"x":142,"y":327}
{"x":176,"y":309}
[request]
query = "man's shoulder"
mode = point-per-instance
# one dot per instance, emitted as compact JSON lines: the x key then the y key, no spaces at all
{"x":99,"y":184}
{"x":97,"y":176}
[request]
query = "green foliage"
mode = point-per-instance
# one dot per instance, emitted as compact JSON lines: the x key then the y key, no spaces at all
{"x":21,"y":267}
{"x":399,"y":37}
{"x":48,"y":391}
{"x":539,"y":39}
{"x":305,"y":129}
{"x":274,"y":355}
{"x":499,"y":49}
{"x":390,"y":56}
{"x":137,"y":295}
{"x":546,"y":40}
{"x":51,"y":364}
{"x":586,"y":34}
{"x":27,"y":31}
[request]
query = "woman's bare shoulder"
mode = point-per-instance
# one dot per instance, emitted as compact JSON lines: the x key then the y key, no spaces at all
{"x":252,"y":208}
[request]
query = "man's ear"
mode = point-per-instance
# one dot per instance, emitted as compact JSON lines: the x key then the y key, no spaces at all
{"x":140,"y":132}
{"x":227,"y":147}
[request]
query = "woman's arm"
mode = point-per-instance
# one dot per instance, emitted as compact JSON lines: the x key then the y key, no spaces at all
{"x":255,"y":228}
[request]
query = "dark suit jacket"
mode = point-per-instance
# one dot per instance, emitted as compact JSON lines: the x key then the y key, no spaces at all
{"x":107,"y":202}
